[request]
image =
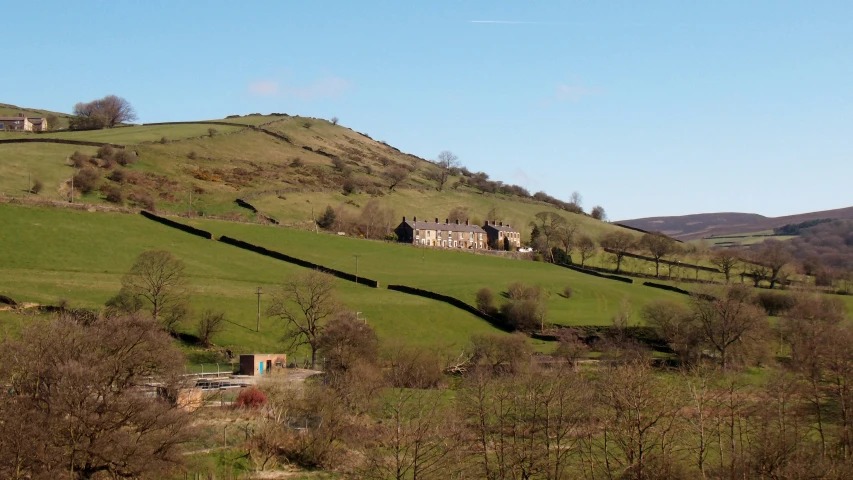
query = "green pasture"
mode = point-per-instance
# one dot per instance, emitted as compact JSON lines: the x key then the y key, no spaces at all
{"x":130,"y":135}
{"x":456,"y":273}
{"x":51,"y":254}
{"x":21,"y":163}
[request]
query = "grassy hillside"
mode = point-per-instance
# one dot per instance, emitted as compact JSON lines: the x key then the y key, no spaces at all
{"x":455,"y":273}
{"x":81,"y":256}
{"x":284,"y":179}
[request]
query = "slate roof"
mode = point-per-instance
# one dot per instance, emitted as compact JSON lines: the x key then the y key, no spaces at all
{"x":419,"y":225}
{"x":501,"y":228}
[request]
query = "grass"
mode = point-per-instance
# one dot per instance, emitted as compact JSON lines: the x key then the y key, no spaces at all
{"x":243,"y":163}
{"x":22,"y":162}
{"x":130,"y":135}
{"x":81,"y":256}
{"x":459,"y":274}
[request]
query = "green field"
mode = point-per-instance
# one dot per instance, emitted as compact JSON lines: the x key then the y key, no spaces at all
{"x":130,"y":135}
{"x":456,"y":273}
{"x":21,"y":163}
{"x":55,"y":253}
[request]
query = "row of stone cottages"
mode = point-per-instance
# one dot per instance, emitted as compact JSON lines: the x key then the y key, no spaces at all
{"x":494,"y":235}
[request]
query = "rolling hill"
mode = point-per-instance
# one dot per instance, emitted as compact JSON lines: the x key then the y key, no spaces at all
{"x":287,"y":167}
{"x":706,"y":225}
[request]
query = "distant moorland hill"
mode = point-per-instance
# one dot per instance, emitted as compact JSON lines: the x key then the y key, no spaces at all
{"x":705,"y":225}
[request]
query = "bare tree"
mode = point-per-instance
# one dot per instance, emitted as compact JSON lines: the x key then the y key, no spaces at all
{"x":75,"y":402}
{"x":334,"y":120}
{"x":550,"y":226}
{"x":587,"y":248}
{"x":305,"y":302}
{"x":159,"y":279}
{"x":726,"y":260}
{"x":210,"y":323}
{"x":576,"y":199}
{"x":598,"y":213}
{"x":396,"y":175}
{"x":447,"y":162}
{"x":494,"y":214}
{"x":619,"y":242}
{"x":458,"y":214}
{"x":373,"y":218}
{"x":103,"y":112}
{"x":566,"y":234}
{"x":733,"y":318}
{"x":658,"y":246}
{"x":773,"y":254}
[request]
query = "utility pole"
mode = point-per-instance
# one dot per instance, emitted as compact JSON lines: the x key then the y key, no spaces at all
{"x":29,"y":184}
{"x":314,"y":220}
{"x":189,"y":203}
{"x":259,"y":292}
{"x":72,"y":189}
{"x":356,"y":268}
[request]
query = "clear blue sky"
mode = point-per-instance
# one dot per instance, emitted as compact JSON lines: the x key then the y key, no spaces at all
{"x":647,"y":108}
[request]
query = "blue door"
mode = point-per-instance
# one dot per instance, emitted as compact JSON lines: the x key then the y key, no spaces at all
{"x":261,"y":367}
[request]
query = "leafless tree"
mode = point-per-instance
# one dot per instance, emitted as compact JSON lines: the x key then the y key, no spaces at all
{"x":726,"y":260}
{"x":598,"y":213}
{"x":458,"y":213}
{"x":732,"y":318}
{"x":773,"y":255}
{"x":576,"y":199}
{"x":103,"y":112}
{"x":396,"y":175}
{"x":447,"y":162}
{"x":305,"y":302}
{"x":210,"y":324}
{"x":619,"y":242}
{"x":75,"y":403}
{"x":158,"y":278}
{"x":658,"y":246}
{"x":566,"y":236}
{"x":375,"y":220}
{"x":675,"y":323}
{"x":587,"y":248}
{"x":334,"y":120}
{"x":550,"y":226}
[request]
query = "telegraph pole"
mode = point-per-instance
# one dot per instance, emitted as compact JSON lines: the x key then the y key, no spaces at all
{"x":356,"y":268}
{"x":259,"y":292}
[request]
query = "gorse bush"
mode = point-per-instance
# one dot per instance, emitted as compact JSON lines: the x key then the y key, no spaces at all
{"x":87,"y":180}
{"x":251,"y":397}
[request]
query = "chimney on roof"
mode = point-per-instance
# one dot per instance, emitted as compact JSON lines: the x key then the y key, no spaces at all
{"x":493,"y":223}
{"x":404,"y":218}
{"x":457,"y":221}
{"x":414,"y":219}
{"x":436,"y":219}
{"x":466,"y":222}
{"x":446,"y":220}
{"x":502,"y":224}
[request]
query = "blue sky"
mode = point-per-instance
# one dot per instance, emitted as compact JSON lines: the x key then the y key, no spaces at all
{"x":647,"y":108}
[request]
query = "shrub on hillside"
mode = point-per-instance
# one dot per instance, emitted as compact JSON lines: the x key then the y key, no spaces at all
{"x":87,"y":180}
{"x":251,"y":398}
{"x":328,"y":218}
{"x":568,"y":292}
{"x":191,"y":155}
{"x":776,"y":303}
{"x":145,"y":199}
{"x":415,"y":367}
{"x":350,"y":186}
{"x":212,"y":132}
{"x":296,"y":162}
{"x":164,"y":140}
{"x":118,"y":175}
{"x":124,"y":157}
{"x":486,"y":301}
{"x":36,"y":187}
{"x":113,"y":194}
{"x":105,"y":152}
{"x":79,"y":160}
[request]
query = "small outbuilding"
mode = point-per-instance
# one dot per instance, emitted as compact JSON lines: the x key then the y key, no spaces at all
{"x":262,"y":363}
